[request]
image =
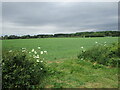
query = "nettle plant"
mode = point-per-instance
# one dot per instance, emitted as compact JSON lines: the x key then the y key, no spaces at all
{"x":23,"y":69}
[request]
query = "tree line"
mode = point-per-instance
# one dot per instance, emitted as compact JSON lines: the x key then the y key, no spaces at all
{"x":78,"y":34}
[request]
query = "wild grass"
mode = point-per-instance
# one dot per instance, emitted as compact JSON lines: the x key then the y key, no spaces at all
{"x":64,"y":69}
{"x":75,"y":73}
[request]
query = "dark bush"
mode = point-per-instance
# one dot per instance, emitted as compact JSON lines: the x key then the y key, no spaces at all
{"x":102,"y":54}
{"x":19,"y":70}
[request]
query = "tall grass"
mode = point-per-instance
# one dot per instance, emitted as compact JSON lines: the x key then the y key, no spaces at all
{"x":102,"y":54}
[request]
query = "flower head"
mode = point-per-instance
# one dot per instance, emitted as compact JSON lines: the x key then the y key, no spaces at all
{"x":84,"y":51}
{"x":38,"y":47}
{"x":81,"y":47}
{"x":96,"y":42}
{"x":41,"y":61}
{"x":33,"y":50}
{"x":81,"y":58}
{"x":41,"y":68}
{"x":45,"y":52}
{"x":34,"y":56}
{"x":41,"y":52}
{"x":23,"y":48}
{"x":10,"y":51}
{"x":37,"y":56}
{"x":38,"y":60}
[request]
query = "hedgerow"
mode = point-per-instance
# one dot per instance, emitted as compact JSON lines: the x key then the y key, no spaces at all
{"x":102,"y":54}
{"x":22,"y":70}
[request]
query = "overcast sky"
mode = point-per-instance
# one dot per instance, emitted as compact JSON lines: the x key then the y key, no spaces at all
{"x":22,"y":18}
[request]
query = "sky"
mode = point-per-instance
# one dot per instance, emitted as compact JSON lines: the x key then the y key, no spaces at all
{"x":33,"y":18}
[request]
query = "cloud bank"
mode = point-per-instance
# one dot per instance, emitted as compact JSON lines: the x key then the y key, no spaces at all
{"x":21,"y":18}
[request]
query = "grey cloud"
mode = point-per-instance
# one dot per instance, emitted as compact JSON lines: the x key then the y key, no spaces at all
{"x":67,"y":17}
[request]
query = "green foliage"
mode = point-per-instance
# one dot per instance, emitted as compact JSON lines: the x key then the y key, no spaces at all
{"x":77,"y":34}
{"x":102,"y":54}
{"x":75,"y":73}
{"x":63,"y":69}
{"x":19,"y":70}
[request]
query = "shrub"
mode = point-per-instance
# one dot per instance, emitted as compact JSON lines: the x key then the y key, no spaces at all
{"x":106,"y":55}
{"x":22,"y":70}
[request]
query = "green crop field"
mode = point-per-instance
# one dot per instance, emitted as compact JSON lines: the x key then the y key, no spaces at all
{"x":62,"y":58}
{"x":58,"y":48}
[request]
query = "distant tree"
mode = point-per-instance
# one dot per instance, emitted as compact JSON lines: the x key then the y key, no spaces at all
{"x":5,"y":37}
{"x":78,"y":34}
{"x":25,"y":36}
{"x":13,"y":37}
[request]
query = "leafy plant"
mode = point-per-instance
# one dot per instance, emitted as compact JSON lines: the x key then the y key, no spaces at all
{"x":20,"y":70}
{"x":106,"y":55}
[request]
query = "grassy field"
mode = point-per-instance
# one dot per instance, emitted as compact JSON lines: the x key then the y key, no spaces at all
{"x":58,"y":48}
{"x":68,"y":70}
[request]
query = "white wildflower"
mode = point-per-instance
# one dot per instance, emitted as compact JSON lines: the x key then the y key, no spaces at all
{"x":38,"y":47}
{"x":10,"y":51}
{"x":41,"y":52}
{"x":84,"y":50}
{"x":34,"y":56}
{"x":96,"y":42}
{"x":45,"y":52}
{"x":23,"y":48}
{"x":81,"y":47}
{"x":33,"y":50}
{"x":104,"y":42}
{"x":38,"y":60}
{"x":37,"y":56}
{"x":41,"y":61}
{"x":81,"y":58}
{"x":41,"y":68}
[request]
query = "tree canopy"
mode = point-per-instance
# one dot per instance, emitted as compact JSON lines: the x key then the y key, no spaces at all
{"x":77,"y":34}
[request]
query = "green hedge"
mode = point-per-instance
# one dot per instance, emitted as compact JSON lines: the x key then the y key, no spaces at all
{"x":21,"y":70}
{"x":102,"y":54}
